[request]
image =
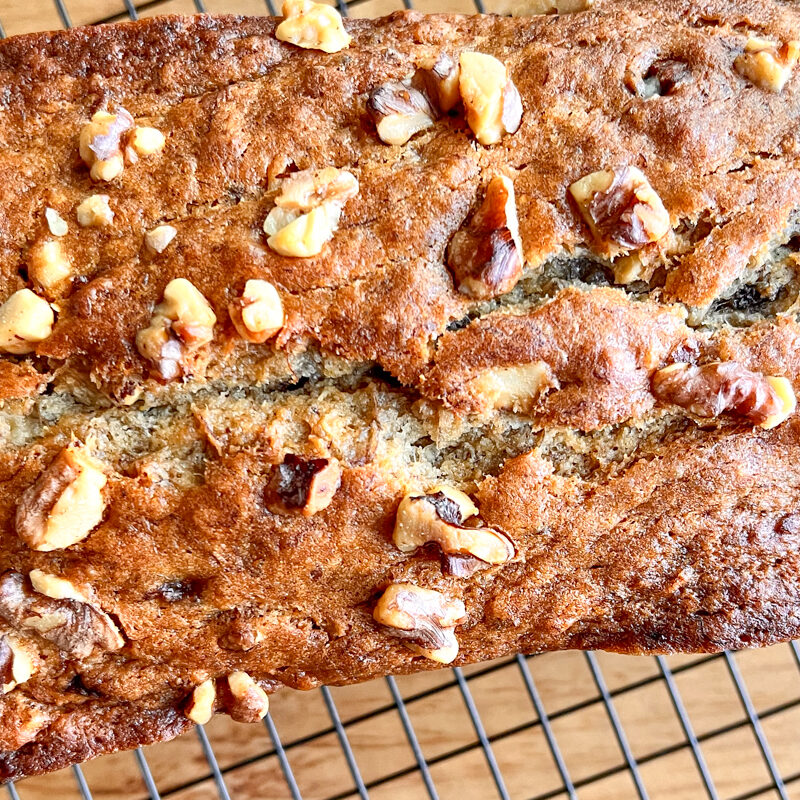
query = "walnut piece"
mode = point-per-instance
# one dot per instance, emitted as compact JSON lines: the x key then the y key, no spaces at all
{"x":258,"y":314}
{"x":200,"y":706}
{"x":621,"y":208}
{"x":726,"y":387}
{"x":25,"y":320}
{"x":95,"y":212}
{"x":314,"y":26}
{"x":399,"y":111}
{"x":101,"y":144}
{"x":16,"y":662}
{"x":65,"y":504}
{"x":248,"y":701}
{"x":57,"y":611}
{"x":55,"y":222}
{"x":516,"y":388}
{"x":485,"y":257}
{"x":48,"y":265}
{"x":146,"y":141}
{"x":491,"y":99}
{"x":423,"y":618}
{"x":444,"y":516}
{"x":767,"y":64}
{"x":181,"y":324}
{"x":437,"y":79}
{"x":300,"y":486}
{"x":159,"y":238}
{"x":532,"y":8}
{"x":307,"y":211}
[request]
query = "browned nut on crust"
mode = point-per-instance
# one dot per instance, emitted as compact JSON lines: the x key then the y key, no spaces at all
{"x":101,"y":144}
{"x":16,"y":663}
{"x":200,"y":706}
{"x":399,"y":111}
{"x":248,"y":701}
{"x":491,"y":99}
{"x":25,"y":320}
{"x":314,"y":26}
{"x":258,"y":314}
{"x":307,"y":211}
{"x":621,"y":208}
{"x":181,"y":324}
{"x":304,"y":487}
{"x":767,"y":64}
{"x":438,"y":80}
{"x":65,"y":504}
{"x":486,"y":256}
{"x":424,"y":618}
{"x":726,"y":387}
{"x":439,"y":517}
{"x":57,"y":611}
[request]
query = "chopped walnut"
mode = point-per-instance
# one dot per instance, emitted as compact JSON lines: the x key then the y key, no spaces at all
{"x":725,"y":387}
{"x":307,"y":211}
{"x":48,"y":266}
{"x":445,"y":517}
{"x":423,"y":618}
{"x":95,"y":212}
{"x":101,"y":144}
{"x":486,"y":255}
{"x":621,"y":207}
{"x":531,"y":8}
{"x":516,"y":388}
{"x":55,"y":222}
{"x":159,"y":238}
{"x":399,"y":111}
{"x":146,"y":141}
{"x":25,"y":320}
{"x":258,"y":314}
{"x":300,"y":486}
{"x":438,"y":80}
{"x":200,"y":706}
{"x":65,"y":504}
{"x":491,"y":99}
{"x":248,"y":702}
{"x":16,"y":662}
{"x":314,"y":26}
{"x":766,"y":64}
{"x":56,"y":611}
{"x":181,"y":324}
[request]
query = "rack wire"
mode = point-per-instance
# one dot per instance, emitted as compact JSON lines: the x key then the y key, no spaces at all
{"x":438,"y":767}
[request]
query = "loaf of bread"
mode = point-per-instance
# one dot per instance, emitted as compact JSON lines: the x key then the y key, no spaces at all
{"x":332,"y":350}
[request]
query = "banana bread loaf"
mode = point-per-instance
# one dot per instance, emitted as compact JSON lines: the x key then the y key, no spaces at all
{"x":335,"y":350}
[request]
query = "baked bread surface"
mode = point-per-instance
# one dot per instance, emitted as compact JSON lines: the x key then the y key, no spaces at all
{"x":636,"y":525}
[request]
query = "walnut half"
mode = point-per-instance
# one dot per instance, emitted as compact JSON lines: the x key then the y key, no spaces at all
{"x":448,"y":518}
{"x":726,"y":387}
{"x":65,"y":504}
{"x":57,"y":611}
{"x":485,"y":256}
{"x":304,"y":487}
{"x":621,"y":208}
{"x":423,"y":618}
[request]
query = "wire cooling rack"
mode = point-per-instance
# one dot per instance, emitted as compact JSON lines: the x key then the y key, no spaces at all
{"x":592,"y":726}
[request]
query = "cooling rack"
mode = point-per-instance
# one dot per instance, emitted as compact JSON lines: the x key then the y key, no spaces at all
{"x":593,"y":726}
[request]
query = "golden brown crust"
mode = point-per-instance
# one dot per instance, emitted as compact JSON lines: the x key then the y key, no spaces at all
{"x":635,"y":526}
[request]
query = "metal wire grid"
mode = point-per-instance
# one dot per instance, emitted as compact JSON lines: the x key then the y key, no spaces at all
{"x":569,"y":788}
